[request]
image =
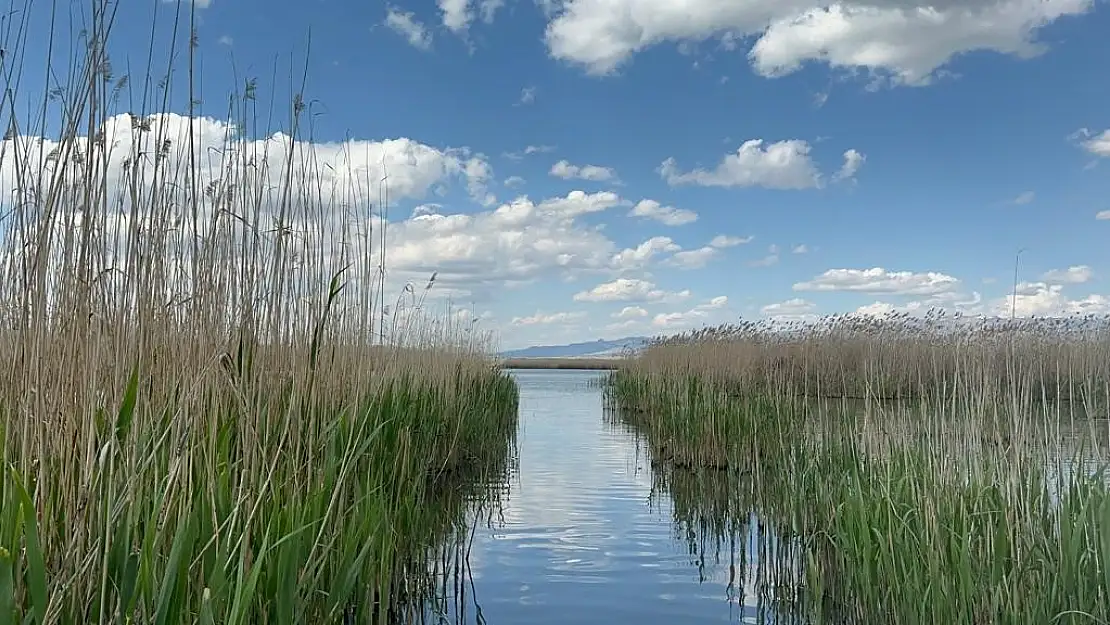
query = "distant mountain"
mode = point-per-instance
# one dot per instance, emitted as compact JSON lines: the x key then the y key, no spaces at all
{"x":580,"y":350}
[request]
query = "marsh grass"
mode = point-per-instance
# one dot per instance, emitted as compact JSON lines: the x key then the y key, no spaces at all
{"x":211,"y":411}
{"x":978,"y":495}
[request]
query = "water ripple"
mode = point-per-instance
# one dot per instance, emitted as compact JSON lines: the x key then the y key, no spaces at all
{"x":578,"y":541}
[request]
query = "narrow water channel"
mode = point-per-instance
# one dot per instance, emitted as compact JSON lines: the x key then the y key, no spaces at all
{"x":580,"y":537}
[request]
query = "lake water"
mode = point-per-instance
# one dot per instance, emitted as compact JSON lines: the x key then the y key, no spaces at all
{"x":586,"y":532}
{"x":580,"y":537}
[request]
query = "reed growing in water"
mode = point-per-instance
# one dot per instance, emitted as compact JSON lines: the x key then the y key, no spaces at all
{"x":209,"y":411}
{"x":912,"y":470}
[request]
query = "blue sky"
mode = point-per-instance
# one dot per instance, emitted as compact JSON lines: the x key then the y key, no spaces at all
{"x":857,"y":156}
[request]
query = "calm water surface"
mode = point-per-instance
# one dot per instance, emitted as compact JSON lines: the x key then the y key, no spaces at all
{"x":581,"y":538}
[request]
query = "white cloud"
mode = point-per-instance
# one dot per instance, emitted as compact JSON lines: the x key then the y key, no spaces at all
{"x":800,"y":249}
{"x":667,"y":215}
{"x":1042,"y":299}
{"x":340,"y":167}
{"x":527,"y":95}
{"x":700,"y":257}
{"x":404,"y":23}
{"x":225,"y":40}
{"x":1097,"y":144}
{"x":1103,"y":215}
{"x":628,"y":290}
{"x":693,"y":259}
{"x":906,"y":40}
{"x":529,"y":150}
{"x":948,"y":301}
{"x":885,"y":309}
{"x":780,"y":165}
{"x":1076,"y":274}
{"x":518,"y":242}
{"x":456,"y":14}
{"x":699,"y":313}
{"x":630,"y":312}
{"x":638,"y":257}
{"x":513,"y":181}
{"x":1024,"y":198}
{"x":879,"y":280}
{"x":578,"y":203}
{"x":723,"y":241}
{"x":341,"y":183}
{"x":563,"y":169}
{"x":489,"y":9}
{"x":790,"y":308}
{"x":430,"y":208}
{"x":853,"y":160}
{"x":554,"y":318}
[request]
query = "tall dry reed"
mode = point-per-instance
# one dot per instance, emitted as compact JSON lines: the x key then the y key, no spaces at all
{"x":212,"y":410}
{"x":927,"y":470}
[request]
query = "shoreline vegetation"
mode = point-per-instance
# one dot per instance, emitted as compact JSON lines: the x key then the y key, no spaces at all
{"x":216,"y":407}
{"x":905,"y":470}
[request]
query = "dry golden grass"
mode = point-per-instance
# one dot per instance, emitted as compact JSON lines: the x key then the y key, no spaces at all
{"x":907,"y":470}
{"x":211,"y":409}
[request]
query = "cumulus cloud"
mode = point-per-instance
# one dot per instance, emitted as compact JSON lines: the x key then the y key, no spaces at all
{"x":458,"y":14}
{"x":666,"y":215}
{"x":948,"y":301}
{"x":790,"y":308}
{"x":529,"y":150}
{"x":630,"y":312}
{"x":513,"y":181}
{"x":1043,"y":299}
{"x":527,"y":95}
{"x":780,"y":165}
{"x":404,"y":23}
{"x":879,"y":280}
{"x":629,"y":290}
{"x":553,"y":318}
{"x":518,"y":242}
{"x":1076,"y":274}
{"x":905,"y":41}
{"x":322,"y":227}
{"x":722,"y":241}
{"x":639,"y":256}
{"x":1103,"y":215}
{"x":886,"y":309}
{"x":700,"y":257}
{"x":693,"y":259}
{"x":1097,"y":144}
{"x":685,"y":319}
{"x":800,"y":249}
{"x":563,"y":169}
{"x":339,"y":167}
{"x":853,"y":160}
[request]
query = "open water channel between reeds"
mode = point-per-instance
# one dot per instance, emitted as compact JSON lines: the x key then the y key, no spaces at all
{"x":581,"y":535}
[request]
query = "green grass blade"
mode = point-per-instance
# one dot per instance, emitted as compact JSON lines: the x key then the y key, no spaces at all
{"x":127,"y":408}
{"x":36,"y":566}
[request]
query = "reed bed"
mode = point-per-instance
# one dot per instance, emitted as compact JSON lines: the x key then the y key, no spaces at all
{"x":976,"y":494}
{"x":212,"y":408}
